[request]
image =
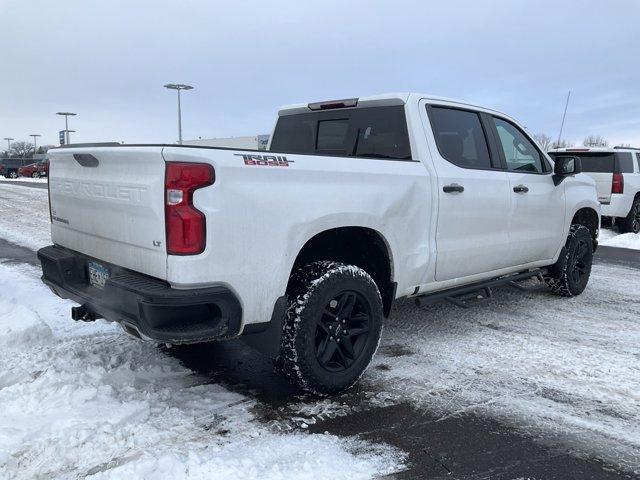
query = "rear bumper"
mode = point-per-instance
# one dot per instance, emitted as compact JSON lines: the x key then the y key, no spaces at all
{"x":143,"y":305}
{"x":619,"y":206}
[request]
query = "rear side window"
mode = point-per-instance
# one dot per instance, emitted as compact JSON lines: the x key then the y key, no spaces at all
{"x":638,"y":160}
{"x":460,"y":137}
{"x":519,"y":152}
{"x":625,"y":162}
{"x":374,"y":132}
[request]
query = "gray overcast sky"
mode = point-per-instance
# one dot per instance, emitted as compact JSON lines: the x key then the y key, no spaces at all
{"x":108,"y":60}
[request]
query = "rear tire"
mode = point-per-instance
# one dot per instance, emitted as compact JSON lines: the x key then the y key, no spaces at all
{"x":332,"y":327}
{"x":13,"y":175}
{"x":631,"y":223}
{"x":570,"y":274}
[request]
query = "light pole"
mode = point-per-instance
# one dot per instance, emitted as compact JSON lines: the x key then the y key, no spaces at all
{"x":35,"y":146}
{"x":8,"y":144}
{"x":178,"y":87}
{"x":66,"y":125}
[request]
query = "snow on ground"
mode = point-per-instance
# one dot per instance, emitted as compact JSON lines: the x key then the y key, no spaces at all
{"x":25,"y":179}
{"x":612,"y":238}
{"x":87,"y":401}
{"x":24,"y":217}
{"x":565,"y":370}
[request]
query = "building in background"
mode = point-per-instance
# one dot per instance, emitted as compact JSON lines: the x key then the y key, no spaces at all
{"x":256,"y":142}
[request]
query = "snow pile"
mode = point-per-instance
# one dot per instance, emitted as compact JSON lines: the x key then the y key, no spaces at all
{"x":625,"y":240}
{"x":19,"y":325}
{"x":25,"y":215}
{"x":98,"y":404}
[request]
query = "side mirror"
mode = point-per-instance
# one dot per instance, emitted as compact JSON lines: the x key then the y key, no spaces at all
{"x":567,"y":166}
{"x":564,"y":167}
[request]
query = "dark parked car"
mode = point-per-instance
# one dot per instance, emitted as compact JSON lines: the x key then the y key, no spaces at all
{"x":9,"y":166}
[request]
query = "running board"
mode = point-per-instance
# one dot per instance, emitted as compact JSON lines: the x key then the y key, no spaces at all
{"x":457,"y":295}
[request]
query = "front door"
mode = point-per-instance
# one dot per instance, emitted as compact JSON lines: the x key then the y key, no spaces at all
{"x":537,"y":214}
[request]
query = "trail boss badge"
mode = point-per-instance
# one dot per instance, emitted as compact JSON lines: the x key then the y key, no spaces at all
{"x":265,"y":160}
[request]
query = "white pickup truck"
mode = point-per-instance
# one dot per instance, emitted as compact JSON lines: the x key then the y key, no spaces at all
{"x":616,"y":172}
{"x":303,"y":249}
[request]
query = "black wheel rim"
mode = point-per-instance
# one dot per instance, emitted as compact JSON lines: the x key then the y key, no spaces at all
{"x":635,"y":221}
{"x":580,"y":266}
{"x":342,"y":331}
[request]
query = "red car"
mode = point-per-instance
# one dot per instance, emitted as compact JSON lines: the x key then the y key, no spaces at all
{"x":30,"y":170}
{"x":43,"y":167}
{"x":35,"y":170}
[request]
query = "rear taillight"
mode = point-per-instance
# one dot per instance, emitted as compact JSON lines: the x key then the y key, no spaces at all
{"x":185,"y":224}
{"x":617,"y":183}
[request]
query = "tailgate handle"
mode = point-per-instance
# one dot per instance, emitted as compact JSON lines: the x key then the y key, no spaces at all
{"x":86,"y":159}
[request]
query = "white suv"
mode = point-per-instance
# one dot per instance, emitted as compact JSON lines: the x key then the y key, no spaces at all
{"x":617,"y":175}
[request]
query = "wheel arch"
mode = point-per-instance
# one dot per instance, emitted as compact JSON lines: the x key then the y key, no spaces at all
{"x":589,"y":218}
{"x":363,"y":247}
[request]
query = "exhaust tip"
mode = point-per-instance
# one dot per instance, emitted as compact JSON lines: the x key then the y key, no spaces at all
{"x":82,"y":314}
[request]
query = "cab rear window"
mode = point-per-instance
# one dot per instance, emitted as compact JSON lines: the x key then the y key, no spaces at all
{"x":601,"y":162}
{"x":373,"y":132}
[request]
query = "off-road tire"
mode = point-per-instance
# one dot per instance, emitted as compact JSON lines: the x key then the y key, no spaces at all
{"x":569,"y":276}
{"x":312,"y":303}
{"x":631,"y":223}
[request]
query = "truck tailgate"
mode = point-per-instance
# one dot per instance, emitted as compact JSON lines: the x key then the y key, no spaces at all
{"x":603,"y":185}
{"x":108,"y":203}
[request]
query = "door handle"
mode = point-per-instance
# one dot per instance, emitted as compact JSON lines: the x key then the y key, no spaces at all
{"x":520,"y":189}
{"x":454,"y":187}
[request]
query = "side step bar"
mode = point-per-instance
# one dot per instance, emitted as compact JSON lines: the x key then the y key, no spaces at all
{"x":456,"y":295}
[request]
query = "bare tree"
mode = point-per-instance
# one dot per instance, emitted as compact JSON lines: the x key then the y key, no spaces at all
{"x":563,"y":144}
{"x":21,"y":150}
{"x":595,"y":141}
{"x":543,"y":140}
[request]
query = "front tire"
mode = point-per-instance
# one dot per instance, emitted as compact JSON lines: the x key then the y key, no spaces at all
{"x":631,"y":223}
{"x":570,"y":274}
{"x":35,"y":175}
{"x":13,"y":175}
{"x":332,"y":328}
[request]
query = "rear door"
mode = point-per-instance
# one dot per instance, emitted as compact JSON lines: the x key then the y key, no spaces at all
{"x":537,"y":213}
{"x":108,"y":203}
{"x":472,"y":235}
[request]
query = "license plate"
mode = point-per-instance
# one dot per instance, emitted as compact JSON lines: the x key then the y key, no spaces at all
{"x":98,"y":274}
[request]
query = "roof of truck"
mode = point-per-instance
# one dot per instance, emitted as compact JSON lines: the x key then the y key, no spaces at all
{"x":386,"y":99}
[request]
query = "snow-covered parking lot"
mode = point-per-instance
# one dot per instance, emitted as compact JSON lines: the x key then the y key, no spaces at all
{"x":87,"y":401}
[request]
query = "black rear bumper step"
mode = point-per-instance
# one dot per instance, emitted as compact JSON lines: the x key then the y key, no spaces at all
{"x":140,"y":303}
{"x":456,"y":295}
